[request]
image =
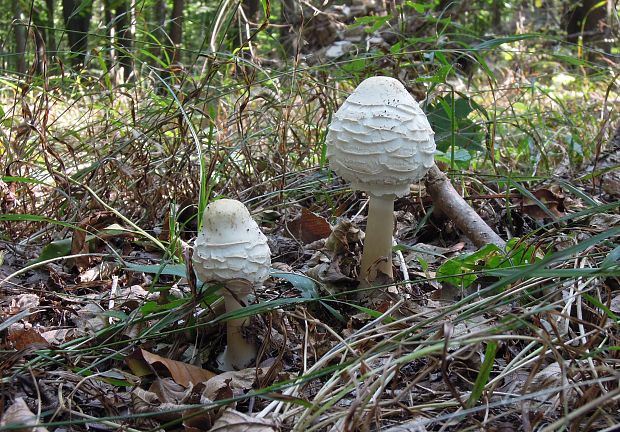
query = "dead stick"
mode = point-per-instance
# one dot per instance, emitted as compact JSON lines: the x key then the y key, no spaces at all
{"x":447,"y":200}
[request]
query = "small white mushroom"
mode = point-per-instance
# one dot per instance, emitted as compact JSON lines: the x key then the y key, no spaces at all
{"x":380,"y":141}
{"x":232,"y":250}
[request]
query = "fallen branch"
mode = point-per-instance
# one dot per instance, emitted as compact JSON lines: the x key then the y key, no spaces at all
{"x":447,"y":200}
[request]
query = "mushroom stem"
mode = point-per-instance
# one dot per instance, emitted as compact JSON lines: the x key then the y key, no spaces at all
{"x":377,"y":255}
{"x":239,"y":352}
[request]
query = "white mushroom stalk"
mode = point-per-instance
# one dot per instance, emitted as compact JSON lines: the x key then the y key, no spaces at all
{"x":232,"y":250}
{"x":380,"y":141}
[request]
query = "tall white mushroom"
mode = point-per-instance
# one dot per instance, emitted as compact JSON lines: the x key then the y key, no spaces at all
{"x":232,"y":250}
{"x":380,"y":141}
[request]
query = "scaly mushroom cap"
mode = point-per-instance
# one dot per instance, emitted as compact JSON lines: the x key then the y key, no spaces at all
{"x":230,"y":245}
{"x":380,"y":140}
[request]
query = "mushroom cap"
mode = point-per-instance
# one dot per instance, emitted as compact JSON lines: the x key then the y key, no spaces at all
{"x":380,"y":140}
{"x":230,"y":245}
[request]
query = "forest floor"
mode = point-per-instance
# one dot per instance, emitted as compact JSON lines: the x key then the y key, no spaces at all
{"x":103,"y":329}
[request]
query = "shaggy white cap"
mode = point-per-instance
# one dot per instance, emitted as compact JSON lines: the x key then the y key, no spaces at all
{"x":230,"y":245}
{"x":380,"y":140}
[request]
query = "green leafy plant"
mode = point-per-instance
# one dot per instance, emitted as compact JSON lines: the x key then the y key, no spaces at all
{"x":464,"y":270}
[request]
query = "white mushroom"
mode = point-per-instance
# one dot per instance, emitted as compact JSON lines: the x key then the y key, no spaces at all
{"x":380,"y":141}
{"x":232,"y":250}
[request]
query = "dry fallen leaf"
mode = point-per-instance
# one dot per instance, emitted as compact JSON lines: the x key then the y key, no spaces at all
{"x":24,"y":337}
{"x":9,"y":199}
{"x":102,"y":271}
{"x":309,"y":227}
{"x":603,"y":221}
{"x":24,"y":302}
{"x":141,"y":361}
{"x":199,"y":420}
{"x":331,"y":277}
{"x":238,"y":382}
{"x":552,"y":198}
{"x":343,"y":235}
{"x":90,"y":318}
{"x":144,"y":401}
{"x":615,"y":305}
{"x":234,"y":421}
{"x":167,"y":390}
{"x":19,"y":413}
{"x":59,"y":336}
{"x":79,"y":243}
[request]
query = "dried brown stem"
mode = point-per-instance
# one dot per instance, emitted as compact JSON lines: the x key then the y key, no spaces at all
{"x":451,"y":203}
